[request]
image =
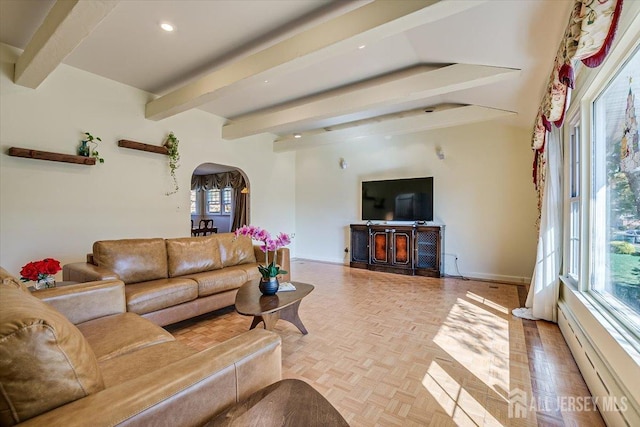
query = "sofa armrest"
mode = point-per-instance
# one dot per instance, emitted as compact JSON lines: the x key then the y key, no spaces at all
{"x":192,"y":390}
{"x":85,"y":272}
{"x":86,"y":301}
{"x":284,"y":261}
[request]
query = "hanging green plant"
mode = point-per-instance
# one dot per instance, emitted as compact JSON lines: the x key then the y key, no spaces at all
{"x":174,"y":157}
{"x":85,"y":149}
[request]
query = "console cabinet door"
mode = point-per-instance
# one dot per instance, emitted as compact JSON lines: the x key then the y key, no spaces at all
{"x":381,"y":247}
{"x":401,"y":248}
{"x":359,"y":246}
{"x":429,"y":250}
{"x":392,"y":247}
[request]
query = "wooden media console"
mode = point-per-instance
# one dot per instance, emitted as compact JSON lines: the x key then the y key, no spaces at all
{"x":403,"y":249}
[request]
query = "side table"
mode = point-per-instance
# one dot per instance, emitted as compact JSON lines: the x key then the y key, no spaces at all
{"x":58,"y":284}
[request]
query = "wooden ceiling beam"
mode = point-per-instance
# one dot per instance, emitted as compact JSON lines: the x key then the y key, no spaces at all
{"x":408,"y":85}
{"x":395,"y":124}
{"x":63,"y":29}
{"x":373,"y":21}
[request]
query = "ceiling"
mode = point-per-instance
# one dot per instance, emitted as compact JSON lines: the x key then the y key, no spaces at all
{"x":327,"y":70}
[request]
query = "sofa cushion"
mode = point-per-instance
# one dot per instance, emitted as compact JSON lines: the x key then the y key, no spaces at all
{"x":133,"y":260}
{"x":213,"y":282}
{"x":132,"y":365}
{"x":118,"y":334}
{"x":251,"y":269}
{"x":158,"y":294}
{"x":45,"y":362}
{"x":189,"y":255}
{"x":235,"y":250}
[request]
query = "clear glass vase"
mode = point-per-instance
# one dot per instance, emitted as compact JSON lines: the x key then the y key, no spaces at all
{"x":46,"y":282}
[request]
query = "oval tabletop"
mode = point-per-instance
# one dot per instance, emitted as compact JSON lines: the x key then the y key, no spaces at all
{"x":251,"y":302}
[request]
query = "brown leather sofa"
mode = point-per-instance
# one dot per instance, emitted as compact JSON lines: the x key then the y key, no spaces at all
{"x":169,"y":280}
{"x":72,"y":356}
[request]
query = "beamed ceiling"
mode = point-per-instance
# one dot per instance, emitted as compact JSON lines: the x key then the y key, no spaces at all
{"x":325,"y":71}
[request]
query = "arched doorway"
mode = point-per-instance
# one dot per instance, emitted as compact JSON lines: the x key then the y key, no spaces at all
{"x":219,"y":199}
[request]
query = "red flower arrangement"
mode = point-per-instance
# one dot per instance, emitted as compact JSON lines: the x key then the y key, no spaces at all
{"x":40,"y":270}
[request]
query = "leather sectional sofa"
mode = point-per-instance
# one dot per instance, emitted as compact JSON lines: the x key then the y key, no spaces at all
{"x":73,"y":356}
{"x":169,"y":280}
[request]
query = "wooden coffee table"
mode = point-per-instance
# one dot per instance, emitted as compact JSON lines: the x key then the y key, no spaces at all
{"x":268,"y":309}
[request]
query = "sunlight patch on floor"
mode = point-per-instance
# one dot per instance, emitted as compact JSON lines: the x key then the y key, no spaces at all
{"x":478,"y":340}
{"x":487,"y":302}
{"x":457,"y":402}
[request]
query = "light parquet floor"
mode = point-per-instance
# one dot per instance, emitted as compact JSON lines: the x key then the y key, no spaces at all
{"x":393,"y":350}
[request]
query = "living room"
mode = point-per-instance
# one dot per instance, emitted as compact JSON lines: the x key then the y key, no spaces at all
{"x":481,"y":185}
{"x":483,"y":192}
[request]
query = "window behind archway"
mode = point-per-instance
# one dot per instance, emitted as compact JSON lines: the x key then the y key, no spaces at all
{"x":219,"y":193}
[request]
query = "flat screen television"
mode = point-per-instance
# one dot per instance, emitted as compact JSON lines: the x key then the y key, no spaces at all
{"x":398,"y":200}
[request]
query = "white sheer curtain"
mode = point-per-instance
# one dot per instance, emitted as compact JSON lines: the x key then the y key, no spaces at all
{"x":542,"y":300}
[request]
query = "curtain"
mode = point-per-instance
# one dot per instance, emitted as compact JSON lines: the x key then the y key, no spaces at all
{"x":195,"y":182}
{"x":233,"y":179}
{"x":201,"y":182}
{"x":237,"y":183}
{"x":542,"y":299}
{"x":240,"y":214}
{"x":587,"y":38}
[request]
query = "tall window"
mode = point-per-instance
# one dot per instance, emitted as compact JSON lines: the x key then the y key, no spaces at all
{"x":615,"y":193}
{"x":219,"y":201}
{"x":573,"y":264}
{"x":194,"y":199}
{"x":213,"y":201}
{"x":226,"y":200}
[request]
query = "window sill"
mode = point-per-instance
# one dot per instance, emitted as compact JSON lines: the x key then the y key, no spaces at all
{"x":627,"y":341}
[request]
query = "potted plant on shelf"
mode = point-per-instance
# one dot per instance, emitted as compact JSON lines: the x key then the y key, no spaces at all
{"x":269,"y":272}
{"x":174,"y":157}
{"x":85,"y":148}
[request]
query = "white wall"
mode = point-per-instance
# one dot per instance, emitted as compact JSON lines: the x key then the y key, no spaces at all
{"x":483,"y":194}
{"x":483,"y":190}
{"x":58,"y":210}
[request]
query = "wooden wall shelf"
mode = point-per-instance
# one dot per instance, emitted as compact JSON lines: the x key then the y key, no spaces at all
{"x":54,"y":157}
{"x":143,"y":147}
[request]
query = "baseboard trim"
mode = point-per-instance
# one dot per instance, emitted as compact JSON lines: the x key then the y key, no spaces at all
{"x":481,"y":277}
{"x":296,"y":259}
{"x":512,"y":280}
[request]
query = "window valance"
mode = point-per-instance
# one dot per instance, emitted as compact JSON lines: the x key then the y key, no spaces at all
{"x":587,"y":38}
{"x":233,"y":179}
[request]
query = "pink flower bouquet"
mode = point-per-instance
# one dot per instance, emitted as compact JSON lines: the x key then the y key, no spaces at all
{"x":269,"y":244}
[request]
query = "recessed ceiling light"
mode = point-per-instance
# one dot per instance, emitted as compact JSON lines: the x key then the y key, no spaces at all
{"x":167,"y":27}
{"x":362,"y":46}
{"x":266,"y":81}
{"x":297,"y":135}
